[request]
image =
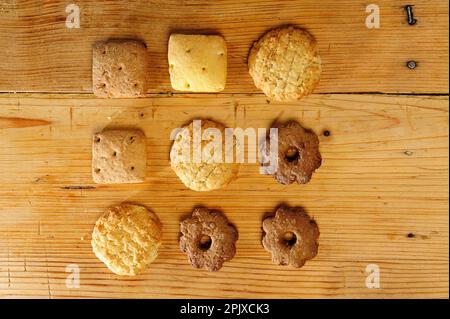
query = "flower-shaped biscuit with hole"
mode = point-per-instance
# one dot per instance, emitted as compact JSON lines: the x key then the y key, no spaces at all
{"x":208,"y":239}
{"x":291,"y":236}
{"x":298,"y":154}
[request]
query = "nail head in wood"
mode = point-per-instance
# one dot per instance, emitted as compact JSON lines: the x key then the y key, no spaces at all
{"x":411,"y":65}
{"x":410,"y":13}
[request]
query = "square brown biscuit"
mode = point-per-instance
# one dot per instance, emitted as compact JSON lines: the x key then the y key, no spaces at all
{"x":119,"y":157}
{"x":119,"y":69}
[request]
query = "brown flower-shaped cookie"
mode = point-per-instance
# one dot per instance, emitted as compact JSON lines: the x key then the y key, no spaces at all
{"x":208,"y":239}
{"x":298,"y":154}
{"x":291,"y":236}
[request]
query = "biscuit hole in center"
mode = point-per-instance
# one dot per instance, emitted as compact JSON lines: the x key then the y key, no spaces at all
{"x":188,"y":51}
{"x":205,"y":242}
{"x":292,"y":154}
{"x":203,"y":69}
{"x":97,"y":170}
{"x":289,"y":239}
{"x":114,"y":154}
{"x":187,"y":85}
{"x":132,"y":168}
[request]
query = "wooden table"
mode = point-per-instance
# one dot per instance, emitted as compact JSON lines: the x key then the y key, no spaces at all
{"x":381,"y":196}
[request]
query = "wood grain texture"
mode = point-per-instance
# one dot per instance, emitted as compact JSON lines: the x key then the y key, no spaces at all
{"x":39,"y":54}
{"x":380,"y":197}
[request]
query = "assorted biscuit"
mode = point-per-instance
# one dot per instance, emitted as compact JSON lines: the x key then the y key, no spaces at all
{"x":119,"y":69}
{"x":197,"y":63}
{"x":291,"y":237}
{"x":284,"y":63}
{"x":126,"y":238}
{"x":119,"y":156}
{"x":298,"y":154}
{"x":286,"y":66}
{"x":210,"y":172}
{"x":208,"y":239}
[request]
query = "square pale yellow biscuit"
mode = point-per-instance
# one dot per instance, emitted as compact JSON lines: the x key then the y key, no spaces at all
{"x":119,"y":69}
{"x":197,"y":63}
{"x":118,"y":157}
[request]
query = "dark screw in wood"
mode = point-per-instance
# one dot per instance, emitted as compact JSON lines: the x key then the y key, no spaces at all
{"x":411,"y":64}
{"x":409,"y":11}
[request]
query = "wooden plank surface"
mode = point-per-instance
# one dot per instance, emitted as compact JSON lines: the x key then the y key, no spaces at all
{"x":39,"y":54}
{"x":381,"y":197}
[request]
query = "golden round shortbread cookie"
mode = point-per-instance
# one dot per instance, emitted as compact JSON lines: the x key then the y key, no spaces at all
{"x":126,"y":238}
{"x":285,"y":64}
{"x":202,"y":168}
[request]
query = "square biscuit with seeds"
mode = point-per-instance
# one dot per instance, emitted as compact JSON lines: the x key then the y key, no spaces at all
{"x":119,"y":157}
{"x":197,"y":63}
{"x":119,"y":69}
